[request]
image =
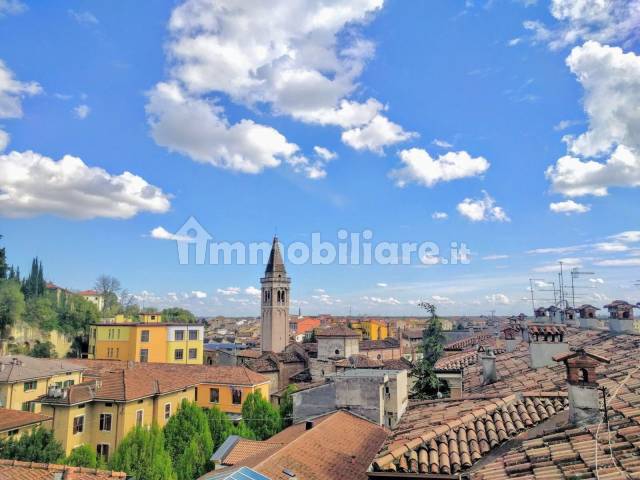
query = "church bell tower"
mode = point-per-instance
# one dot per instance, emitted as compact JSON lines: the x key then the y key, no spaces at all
{"x":274,"y":320}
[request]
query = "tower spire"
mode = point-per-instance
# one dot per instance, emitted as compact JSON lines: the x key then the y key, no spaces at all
{"x":275,"y":263}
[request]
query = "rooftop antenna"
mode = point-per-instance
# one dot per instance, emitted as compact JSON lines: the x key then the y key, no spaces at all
{"x":575,"y":273}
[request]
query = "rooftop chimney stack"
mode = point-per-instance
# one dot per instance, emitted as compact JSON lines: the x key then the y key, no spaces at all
{"x":588,"y":316}
{"x":584,"y":398}
{"x":545,"y":341}
{"x":620,"y":316}
{"x":489,"y":372}
{"x":510,"y":338}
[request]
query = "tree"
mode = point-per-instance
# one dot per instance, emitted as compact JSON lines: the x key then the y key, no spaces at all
{"x":142,"y":455}
{"x":39,"y":445}
{"x":109,"y":287}
{"x":178,"y":315}
{"x":3,"y":263}
{"x":243,"y":431}
{"x":188,"y":463}
{"x":83,"y":456}
{"x":190,"y":423}
{"x":43,"y":350}
{"x":426,"y":385}
{"x":11,"y":304}
{"x":220,"y":426}
{"x":286,"y":406}
{"x":260,"y":416}
{"x":34,"y":285}
{"x":40,"y":311}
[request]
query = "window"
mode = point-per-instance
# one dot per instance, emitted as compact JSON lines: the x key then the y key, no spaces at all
{"x":105,"y":422}
{"x":11,"y":433}
{"x":167,"y":411}
{"x":337,"y":352}
{"x":193,"y":334}
{"x":139,"y":417}
{"x":193,"y":353}
{"x":78,"y":424}
{"x":144,"y":336}
{"x":31,"y":385}
{"x":82,"y":405}
{"x":102,"y":449}
{"x":214,"y":395}
{"x":236,"y":396}
{"x":179,"y":354}
{"x":29,"y":407}
{"x":144,"y":355}
{"x":179,"y":334}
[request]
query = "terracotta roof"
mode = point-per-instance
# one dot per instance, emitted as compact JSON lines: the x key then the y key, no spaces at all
{"x":547,"y":329}
{"x":359,"y":361}
{"x":413,"y":333}
{"x":340,"y":446}
{"x":337,"y":331}
{"x":10,"y":419}
{"x":88,"y":292}
{"x":18,"y":368}
{"x":16,"y":470}
{"x":449,"y":437}
{"x":124,"y":381}
{"x":244,"y":449}
{"x":397,"y":364}
{"x":619,"y":303}
{"x":468,"y":341}
{"x":248,"y":353}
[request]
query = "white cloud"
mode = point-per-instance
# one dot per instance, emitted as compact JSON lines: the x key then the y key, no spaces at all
{"x":83,"y":18}
{"x":32,"y":184}
{"x":611,"y":80}
{"x":564,"y":124}
{"x":514,"y":41}
{"x":82,"y":111}
{"x":421,"y":168}
{"x":555,"y":267}
{"x":495,"y":257}
{"x":11,"y":7}
{"x":441,"y":143}
{"x":381,"y":285}
{"x":4,"y":140}
{"x":498,"y":298}
{"x":482,"y":210}
{"x":376,"y":135}
{"x":229,"y":291}
{"x":568,"y":207}
{"x":442,"y":300}
{"x":630,"y":236}
{"x":439,"y":215}
{"x":253,"y":291}
{"x":596,"y":280}
{"x":611,"y":247}
{"x":198,"y":128}
{"x":569,"y":249}
{"x":382,"y":301}
{"x":161,"y":233}
{"x":198,"y":294}
{"x":579,"y":20}
{"x":325,"y":153}
{"x":619,"y":262}
{"x":12,"y":91}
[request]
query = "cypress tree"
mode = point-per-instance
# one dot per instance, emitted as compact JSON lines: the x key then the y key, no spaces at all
{"x":142,"y":455}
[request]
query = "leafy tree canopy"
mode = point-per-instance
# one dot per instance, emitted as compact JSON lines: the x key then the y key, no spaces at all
{"x":177,"y":314}
{"x":260,"y":416}
{"x":39,"y":445}
{"x":427,"y":384}
{"x":286,"y":406}
{"x":43,"y":350}
{"x":83,"y":456}
{"x":142,"y":455}
{"x":12,"y":304}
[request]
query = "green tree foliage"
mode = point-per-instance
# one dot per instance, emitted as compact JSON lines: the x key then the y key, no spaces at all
{"x":41,"y":311}
{"x":260,"y":416}
{"x":243,"y":431}
{"x":12,"y":304}
{"x":426,"y":385}
{"x":109,"y":287}
{"x":4,"y":269}
{"x":189,"y":423}
{"x":76,"y":314}
{"x":221,"y":427}
{"x":34,"y":285}
{"x":179,"y":315}
{"x":39,"y":445}
{"x":286,"y":406}
{"x":83,"y":456}
{"x":43,"y":350}
{"x":188,"y":463}
{"x":142,"y":455}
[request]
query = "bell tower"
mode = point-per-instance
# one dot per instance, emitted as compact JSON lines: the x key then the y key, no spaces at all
{"x":274,"y":320}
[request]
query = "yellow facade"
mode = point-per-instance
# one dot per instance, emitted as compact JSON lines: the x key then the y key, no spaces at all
{"x":24,"y":335}
{"x":371,"y":329}
{"x":152,"y":342}
{"x":21,"y":395}
{"x":225,"y":395}
{"x":447,"y":325}
{"x":123,"y":418}
{"x":16,"y":432}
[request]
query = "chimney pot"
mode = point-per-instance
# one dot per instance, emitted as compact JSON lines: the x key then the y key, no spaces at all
{"x":308,"y":425}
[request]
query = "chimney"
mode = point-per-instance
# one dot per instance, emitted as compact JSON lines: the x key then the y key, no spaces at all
{"x":489,"y":372}
{"x":545,"y":341}
{"x":510,"y":338}
{"x":584,"y":397}
{"x":308,"y":425}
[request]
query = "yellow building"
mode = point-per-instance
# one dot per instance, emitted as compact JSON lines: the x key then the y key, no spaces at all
{"x":14,"y":423}
{"x":25,"y":335}
{"x":371,"y":329}
{"x":147,"y":340}
{"x":100,"y":412}
{"x":23,"y":379}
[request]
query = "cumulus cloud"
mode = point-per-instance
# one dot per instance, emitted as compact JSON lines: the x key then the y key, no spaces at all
{"x":228,"y":291}
{"x":628,"y":236}
{"x":11,"y":7}
{"x":439,"y":215}
{"x":299,"y":58}
{"x":4,"y":140}
{"x":568,"y":207}
{"x":198,"y":294}
{"x":253,"y":291}
{"x":580,"y":20}
{"x":325,"y":153}
{"x":441,"y":143}
{"x":382,"y":301}
{"x":161,"y":233}
{"x":495,"y":257}
{"x":82,"y":111}
{"x":421,"y":168}
{"x":12,"y":91}
{"x":611,"y":80}
{"x":482,"y":210}
{"x":442,"y":300}
{"x":498,"y":298}
{"x":32,"y":184}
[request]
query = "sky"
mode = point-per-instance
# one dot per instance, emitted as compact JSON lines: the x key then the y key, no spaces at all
{"x":508,"y":126}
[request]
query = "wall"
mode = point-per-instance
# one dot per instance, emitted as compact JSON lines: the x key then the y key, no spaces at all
{"x":25,"y":429}
{"x":541,"y":353}
{"x":12,"y":395}
{"x":225,"y":396}
{"x":345,"y":346}
{"x":22,"y":333}
{"x":382,"y":353}
{"x":313,"y":401}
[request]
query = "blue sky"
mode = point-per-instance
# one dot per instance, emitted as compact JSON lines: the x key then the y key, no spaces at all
{"x":517,"y":119}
